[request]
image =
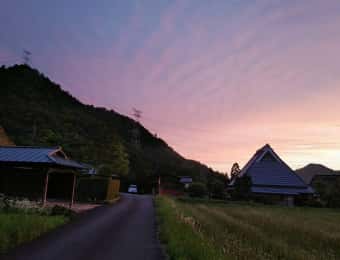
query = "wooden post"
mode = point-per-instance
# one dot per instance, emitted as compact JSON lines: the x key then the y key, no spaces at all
{"x":159,"y":185}
{"x":73,"y":190}
{"x":45,"y":188}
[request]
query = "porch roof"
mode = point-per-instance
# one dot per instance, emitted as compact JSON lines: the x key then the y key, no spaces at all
{"x":43,"y":156}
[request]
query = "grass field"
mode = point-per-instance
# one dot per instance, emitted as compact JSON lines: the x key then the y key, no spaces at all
{"x":16,"y":228}
{"x":199,"y":230}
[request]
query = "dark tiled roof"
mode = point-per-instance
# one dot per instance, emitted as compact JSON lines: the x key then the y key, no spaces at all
{"x":36,"y":155}
{"x":266,"y":168}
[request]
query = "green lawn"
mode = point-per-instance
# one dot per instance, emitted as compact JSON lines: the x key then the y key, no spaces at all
{"x":16,"y":228}
{"x":199,"y":230}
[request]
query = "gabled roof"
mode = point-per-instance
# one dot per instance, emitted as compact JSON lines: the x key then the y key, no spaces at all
{"x":36,"y":155}
{"x":268,"y":171}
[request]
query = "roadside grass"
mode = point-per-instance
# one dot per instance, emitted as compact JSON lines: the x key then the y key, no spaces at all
{"x":239,"y":231}
{"x":16,"y":228}
{"x":181,"y":239}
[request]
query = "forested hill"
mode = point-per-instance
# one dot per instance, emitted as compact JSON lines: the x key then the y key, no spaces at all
{"x":36,"y":111}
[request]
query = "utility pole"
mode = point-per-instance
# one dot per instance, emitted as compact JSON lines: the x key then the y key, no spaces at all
{"x":137,"y":114}
{"x":26,"y":56}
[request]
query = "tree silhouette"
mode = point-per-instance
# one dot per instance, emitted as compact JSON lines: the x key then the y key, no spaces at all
{"x":235,"y":171}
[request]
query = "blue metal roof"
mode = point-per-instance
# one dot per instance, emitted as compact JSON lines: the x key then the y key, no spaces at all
{"x":26,"y":154}
{"x":273,"y":173}
{"x":267,"y":169}
{"x":36,"y":155}
{"x":67,"y":162}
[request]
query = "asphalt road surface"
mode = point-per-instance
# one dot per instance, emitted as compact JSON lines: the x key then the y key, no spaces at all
{"x":126,"y":230}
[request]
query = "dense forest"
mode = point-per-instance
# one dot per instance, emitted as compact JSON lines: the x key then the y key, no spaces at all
{"x":36,"y":111}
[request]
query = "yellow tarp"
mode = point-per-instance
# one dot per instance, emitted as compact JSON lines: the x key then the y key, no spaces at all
{"x":113,"y":190}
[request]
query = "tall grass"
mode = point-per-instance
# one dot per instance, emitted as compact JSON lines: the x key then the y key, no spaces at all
{"x":263,"y":232}
{"x":182,"y":240}
{"x":16,"y":228}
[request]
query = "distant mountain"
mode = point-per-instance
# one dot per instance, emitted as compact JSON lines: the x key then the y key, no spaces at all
{"x":308,"y":172}
{"x":36,"y":111}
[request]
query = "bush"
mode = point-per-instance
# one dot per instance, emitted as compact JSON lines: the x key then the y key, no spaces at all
{"x":62,"y":211}
{"x":21,"y":205}
{"x":217,"y":190}
{"x":197,"y":190}
{"x":328,"y":190}
{"x":242,"y":188}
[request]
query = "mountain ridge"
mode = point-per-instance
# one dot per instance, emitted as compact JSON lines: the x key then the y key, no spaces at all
{"x":308,"y":172}
{"x":36,"y":111}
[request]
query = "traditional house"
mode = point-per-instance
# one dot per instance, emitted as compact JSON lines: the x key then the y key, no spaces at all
{"x":272,"y":178}
{"x":38,"y":173}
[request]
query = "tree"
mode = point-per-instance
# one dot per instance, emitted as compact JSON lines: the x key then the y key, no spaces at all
{"x":218,"y":190}
{"x":116,"y":160}
{"x":235,"y":171}
{"x":120,"y":160}
{"x":106,"y":170}
{"x":334,"y":198}
{"x":329,"y":191}
{"x":242,"y":188}
{"x":197,"y":189}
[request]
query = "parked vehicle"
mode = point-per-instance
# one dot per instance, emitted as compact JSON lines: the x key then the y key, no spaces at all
{"x":132,"y":189}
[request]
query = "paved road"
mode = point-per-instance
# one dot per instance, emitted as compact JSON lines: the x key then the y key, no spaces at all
{"x":125,"y":230}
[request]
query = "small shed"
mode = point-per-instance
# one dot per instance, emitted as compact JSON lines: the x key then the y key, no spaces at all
{"x":98,"y":188}
{"x":38,"y":173}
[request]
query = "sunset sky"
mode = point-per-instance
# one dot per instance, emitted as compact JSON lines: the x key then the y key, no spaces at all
{"x":215,"y":79}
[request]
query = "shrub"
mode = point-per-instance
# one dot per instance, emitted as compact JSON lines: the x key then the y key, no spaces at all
{"x":217,"y":190}
{"x":62,"y":211}
{"x":197,"y":190}
{"x":242,"y":188}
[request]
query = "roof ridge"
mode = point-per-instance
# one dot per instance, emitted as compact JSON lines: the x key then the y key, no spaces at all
{"x":266,"y":146}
